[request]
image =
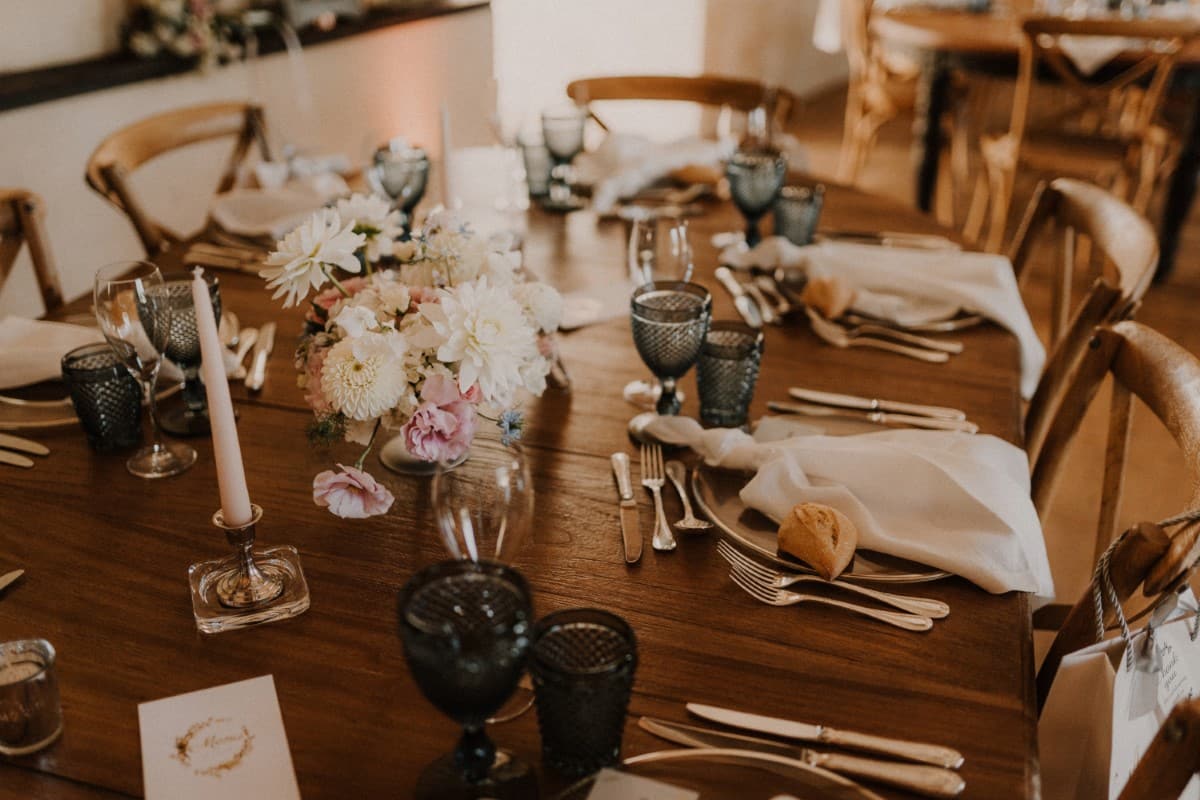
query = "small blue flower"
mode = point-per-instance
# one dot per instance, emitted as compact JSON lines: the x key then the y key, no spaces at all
{"x":511,"y":423}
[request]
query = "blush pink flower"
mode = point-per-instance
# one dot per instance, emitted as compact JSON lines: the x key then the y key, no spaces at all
{"x":350,"y":493}
{"x":423,"y":294}
{"x":443,"y":425}
{"x":327,"y":299}
{"x":313,"y":395}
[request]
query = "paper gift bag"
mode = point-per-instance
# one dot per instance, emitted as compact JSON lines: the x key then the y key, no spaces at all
{"x":1109,"y":700}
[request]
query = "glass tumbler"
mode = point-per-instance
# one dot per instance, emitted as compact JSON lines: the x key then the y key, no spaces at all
{"x":107,"y":399}
{"x":538,"y":164}
{"x":30,"y":713}
{"x":797,"y":212}
{"x":727,"y":372}
{"x":582,"y":664}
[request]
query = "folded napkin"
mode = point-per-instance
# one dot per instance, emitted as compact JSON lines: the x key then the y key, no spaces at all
{"x":955,"y":501}
{"x":275,"y":212}
{"x":911,"y":286}
{"x":31,"y":350}
{"x":1090,"y":53}
{"x":624,"y":164}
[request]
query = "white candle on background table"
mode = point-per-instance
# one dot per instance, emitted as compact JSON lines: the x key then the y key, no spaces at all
{"x":447,"y":200}
{"x":231,"y":475}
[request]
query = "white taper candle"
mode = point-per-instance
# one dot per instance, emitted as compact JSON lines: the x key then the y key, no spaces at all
{"x":231,"y":475}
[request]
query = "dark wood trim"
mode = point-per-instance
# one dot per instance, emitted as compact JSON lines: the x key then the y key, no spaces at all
{"x":27,"y":88}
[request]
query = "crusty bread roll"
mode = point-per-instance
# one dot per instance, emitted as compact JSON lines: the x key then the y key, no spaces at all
{"x":820,"y":536}
{"x":830,"y":296}
{"x":696,"y":173}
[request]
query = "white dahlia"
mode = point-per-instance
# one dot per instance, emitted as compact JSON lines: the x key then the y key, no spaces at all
{"x":364,"y":377}
{"x":304,"y":255}
{"x":373,"y":218}
{"x":542,"y":303}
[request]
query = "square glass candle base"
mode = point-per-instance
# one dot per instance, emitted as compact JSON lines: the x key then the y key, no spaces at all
{"x":253,"y":586}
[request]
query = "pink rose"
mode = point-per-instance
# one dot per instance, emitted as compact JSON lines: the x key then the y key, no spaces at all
{"x":313,"y":394}
{"x":423,"y":294}
{"x":351,"y":493}
{"x":443,"y":425}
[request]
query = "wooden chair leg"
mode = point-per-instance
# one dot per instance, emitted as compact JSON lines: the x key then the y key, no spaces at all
{"x":1001,"y":196}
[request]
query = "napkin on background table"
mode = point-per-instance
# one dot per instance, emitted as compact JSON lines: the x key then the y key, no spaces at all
{"x":31,"y":350}
{"x":910,"y":286}
{"x":624,"y":164}
{"x":955,"y":501}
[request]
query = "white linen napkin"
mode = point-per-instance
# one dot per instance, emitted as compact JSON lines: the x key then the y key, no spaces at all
{"x":31,"y":350}
{"x":1090,"y":53}
{"x":910,"y":286}
{"x":624,"y":164}
{"x":955,"y":501}
{"x":275,"y":212}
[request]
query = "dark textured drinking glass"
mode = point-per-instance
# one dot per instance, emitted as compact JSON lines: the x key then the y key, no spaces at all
{"x":562,"y":131}
{"x":466,"y":628}
{"x":178,"y":314}
{"x":755,"y":178}
{"x":400,"y":174}
{"x":582,"y":666}
{"x":669,"y":319}
{"x":538,"y":164}
{"x":727,"y":372}
{"x":107,"y":399}
{"x":797,"y":212}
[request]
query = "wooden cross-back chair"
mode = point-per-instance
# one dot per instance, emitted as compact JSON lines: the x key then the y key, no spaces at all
{"x":1105,"y":129}
{"x":1125,"y":251}
{"x":117,"y":157}
{"x":709,"y":90}
{"x":23,"y":221}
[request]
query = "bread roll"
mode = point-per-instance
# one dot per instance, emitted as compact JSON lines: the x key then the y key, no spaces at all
{"x":820,"y":536}
{"x":831,"y":296}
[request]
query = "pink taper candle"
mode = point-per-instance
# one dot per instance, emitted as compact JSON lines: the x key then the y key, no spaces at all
{"x":231,"y":475}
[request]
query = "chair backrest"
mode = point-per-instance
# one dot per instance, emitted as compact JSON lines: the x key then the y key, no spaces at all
{"x":120,"y":154}
{"x":1143,"y":364}
{"x":23,"y":221}
{"x":856,"y":36}
{"x":1172,"y":759}
{"x":1119,"y":101}
{"x":710,"y":90}
{"x":1124,"y":252}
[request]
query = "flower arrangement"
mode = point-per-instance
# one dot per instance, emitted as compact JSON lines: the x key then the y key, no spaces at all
{"x":208,"y":30}
{"x":448,"y":333}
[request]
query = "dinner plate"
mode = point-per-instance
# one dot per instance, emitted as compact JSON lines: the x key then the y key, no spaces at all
{"x":717,"y":494}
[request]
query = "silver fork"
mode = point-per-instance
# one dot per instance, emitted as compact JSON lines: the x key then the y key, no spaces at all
{"x":925,"y":606}
{"x":782,"y":597}
{"x":652,"y":479}
{"x":837,"y":336}
{"x":883,"y":331}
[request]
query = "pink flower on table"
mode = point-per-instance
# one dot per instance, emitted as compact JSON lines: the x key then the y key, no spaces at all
{"x":443,"y":425}
{"x":350,"y":493}
{"x":313,"y":394}
{"x":423,"y":294}
{"x":328,"y":298}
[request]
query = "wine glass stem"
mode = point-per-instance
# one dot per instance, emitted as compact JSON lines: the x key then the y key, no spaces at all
{"x":668,"y":402}
{"x":752,"y":235}
{"x":152,"y":404}
{"x":475,"y":754}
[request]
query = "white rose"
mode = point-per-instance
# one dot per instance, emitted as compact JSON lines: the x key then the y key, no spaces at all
{"x":542,"y":303}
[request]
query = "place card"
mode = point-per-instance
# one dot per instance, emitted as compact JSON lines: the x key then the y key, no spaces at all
{"x":227,"y":742}
{"x":613,"y":785}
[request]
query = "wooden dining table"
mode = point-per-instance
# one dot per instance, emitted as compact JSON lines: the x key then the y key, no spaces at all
{"x":992,"y":40}
{"x":106,"y":557}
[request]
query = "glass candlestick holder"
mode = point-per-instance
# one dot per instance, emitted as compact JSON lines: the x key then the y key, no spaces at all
{"x":253,"y":586}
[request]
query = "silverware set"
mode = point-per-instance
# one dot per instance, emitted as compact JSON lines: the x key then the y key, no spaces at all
{"x":892,"y":413}
{"x":226,"y":256}
{"x":14,"y":451}
{"x":654,"y":477}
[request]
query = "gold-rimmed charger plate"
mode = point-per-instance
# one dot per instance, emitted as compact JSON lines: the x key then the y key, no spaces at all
{"x":717,"y":494}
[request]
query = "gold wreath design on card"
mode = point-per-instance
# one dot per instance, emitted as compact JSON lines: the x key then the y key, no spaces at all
{"x":214,"y":746}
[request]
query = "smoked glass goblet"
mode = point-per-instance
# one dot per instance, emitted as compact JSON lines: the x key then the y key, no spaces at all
{"x":562,"y":129}
{"x":466,"y":628}
{"x":400,"y":173}
{"x":178,"y":313}
{"x":755,"y":178}
{"x":670,"y":319}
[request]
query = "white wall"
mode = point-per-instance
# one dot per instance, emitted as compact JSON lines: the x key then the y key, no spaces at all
{"x":365,"y":89}
{"x":34,"y":33}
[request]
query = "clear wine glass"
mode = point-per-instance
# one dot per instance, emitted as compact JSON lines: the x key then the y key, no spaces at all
{"x":484,"y":505}
{"x":134,"y":311}
{"x":755,"y":178}
{"x":659,"y":250}
{"x":400,"y":173}
{"x":670,"y":319}
{"x":466,"y":627}
{"x":562,"y":130}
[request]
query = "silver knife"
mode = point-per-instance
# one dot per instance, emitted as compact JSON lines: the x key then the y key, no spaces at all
{"x":631,"y":534}
{"x":874,"y":404}
{"x":9,"y":578}
{"x":929,"y":781}
{"x":23,"y":445}
{"x":15,"y":460}
{"x":877,"y":417}
{"x":896,"y":748}
{"x":741,"y":301}
{"x":258,"y":364}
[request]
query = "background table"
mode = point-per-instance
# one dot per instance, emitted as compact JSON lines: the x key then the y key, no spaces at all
{"x":106,"y":556}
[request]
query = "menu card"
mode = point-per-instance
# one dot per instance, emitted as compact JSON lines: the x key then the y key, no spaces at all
{"x":613,"y":785}
{"x":227,"y":742}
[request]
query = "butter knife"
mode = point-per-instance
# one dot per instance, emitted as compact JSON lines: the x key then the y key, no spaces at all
{"x":631,"y":534}
{"x":919,"y":752}
{"x":15,"y":460}
{"x":874,"y":404}
{"x":258,"y":364}
{"x":8,"y":578}
{"x":929,"y":781}
{"x":741,"y":301}
{"x":23,"y":445}
{"x":876,"y":417}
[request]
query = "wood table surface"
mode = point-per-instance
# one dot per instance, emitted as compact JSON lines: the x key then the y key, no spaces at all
{"x":106,"y":557}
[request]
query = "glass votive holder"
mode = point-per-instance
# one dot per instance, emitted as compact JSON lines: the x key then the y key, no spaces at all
{"x":107,"y":398}
{"x":726,"y":373}
{"x":30,"y":712}
{"x":538,"y":164}
{"x":797,"y":211}
{"x":582,"y":664}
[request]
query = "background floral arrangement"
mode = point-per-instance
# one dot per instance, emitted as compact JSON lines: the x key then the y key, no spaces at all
{"x":450,"y":332}
{"x":209,"y":30}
